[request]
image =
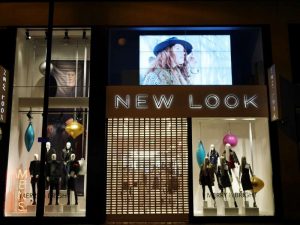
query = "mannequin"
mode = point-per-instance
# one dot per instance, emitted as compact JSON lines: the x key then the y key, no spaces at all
{"x":66,"y":152}
{"x":34,"y":170}
{"x":50,"y":151}
{"x":213,"y":156}
{"x":73,"y":168}
{"x":245,"y":179}
{"x":232,"y":159}
{"x":54,"y":171}
{"x":206,"y":178}
{"x":225,"y":178}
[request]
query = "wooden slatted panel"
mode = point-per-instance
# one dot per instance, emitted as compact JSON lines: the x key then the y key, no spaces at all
{"x":147,"y":166}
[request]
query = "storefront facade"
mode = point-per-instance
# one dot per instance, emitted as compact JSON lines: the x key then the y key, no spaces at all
{"x":206,"y":148}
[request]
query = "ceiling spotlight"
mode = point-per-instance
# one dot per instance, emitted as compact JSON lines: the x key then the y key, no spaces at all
{"x":84,"y":37}
{"x":28,"y":37}
{"x":66,"y":37}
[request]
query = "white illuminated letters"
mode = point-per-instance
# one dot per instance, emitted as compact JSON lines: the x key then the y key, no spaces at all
{"x":212,"y":101}
{"x":141,"y":101}
{"x":163,"y":100}
{"x":251,"y":100}
{"x":231,"y":101}
{"x":119,"y":100}
{"x":191,"y":103}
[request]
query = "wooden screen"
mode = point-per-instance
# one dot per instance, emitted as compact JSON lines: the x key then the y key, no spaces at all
{"x":147,"y":166}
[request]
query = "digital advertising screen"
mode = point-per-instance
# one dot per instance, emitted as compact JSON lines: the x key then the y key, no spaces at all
{"x":185,"y":60}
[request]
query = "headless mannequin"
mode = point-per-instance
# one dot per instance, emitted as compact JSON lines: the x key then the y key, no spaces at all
{"x":72,"y":170}
{"x":206,"y":178}
{"x":54,"y":177}
{"x":34,"y":170}
{"x":232,"y":159}
{"x":245,"y":169}
{"x":225,"y":177}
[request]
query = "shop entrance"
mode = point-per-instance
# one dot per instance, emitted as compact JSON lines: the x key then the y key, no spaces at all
{"x":147,"y":168}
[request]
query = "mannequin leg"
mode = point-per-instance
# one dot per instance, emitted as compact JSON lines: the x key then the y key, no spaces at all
{"x":233,"y":197}
{"x":68,"y":194}
{"x":76,"y":198}
{"x":33,"y":191}
{"x":51,"y":192}
{"x":57,"y":192}
{"x":254,"y":200}
{"x":212,"y":194}
{"x":203,"y":192}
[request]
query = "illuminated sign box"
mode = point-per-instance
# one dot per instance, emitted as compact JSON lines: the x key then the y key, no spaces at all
{"x":4,"y":77}
{"x":187,"y":101}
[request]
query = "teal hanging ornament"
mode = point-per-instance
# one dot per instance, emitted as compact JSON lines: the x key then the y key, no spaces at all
{"x":200,"y":153}
{"x":29,"y":134}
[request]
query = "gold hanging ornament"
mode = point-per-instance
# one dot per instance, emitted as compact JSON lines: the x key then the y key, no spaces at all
{"x":74,"y":129}
{"x":257,"y":184}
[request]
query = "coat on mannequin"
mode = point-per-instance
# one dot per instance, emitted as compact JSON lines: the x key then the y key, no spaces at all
{"x":232,"y":160}
{"x":206,"y":178}
{"x":50,"y":151}
{"x":34,"y":170}
{"x":66,"y":152}
{"x":73,"y":168}
{"x":54,"y":171}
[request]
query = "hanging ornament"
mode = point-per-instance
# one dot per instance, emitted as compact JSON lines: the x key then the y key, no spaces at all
{"x":230,"y":139}
{"x":29,"y":133}
{"x":257,"y":184}
{"x":200,"y":153}
{"x":74,"y":128}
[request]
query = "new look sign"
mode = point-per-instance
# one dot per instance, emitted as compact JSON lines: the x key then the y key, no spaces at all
{"x":188,"y":101}
{"x":3,"y":93}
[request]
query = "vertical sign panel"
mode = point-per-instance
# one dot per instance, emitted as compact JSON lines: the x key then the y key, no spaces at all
{"x":273,"y":94}
{"x":3,"y":93}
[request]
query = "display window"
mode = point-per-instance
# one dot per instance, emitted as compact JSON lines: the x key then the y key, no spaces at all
{"x":67,"y":123}
{"x":232,"y":167}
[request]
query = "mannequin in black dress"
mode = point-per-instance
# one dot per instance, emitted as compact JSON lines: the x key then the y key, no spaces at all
{"x":225,"y":178}
{"x":244,"y":175}
{"x":206,"y":178}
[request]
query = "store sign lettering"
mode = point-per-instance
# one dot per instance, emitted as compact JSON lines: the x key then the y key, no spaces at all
{"x":3,"y":93}
{"x":21,"y":177}
{"x":212,"y":101}
{"x":178,"y":101}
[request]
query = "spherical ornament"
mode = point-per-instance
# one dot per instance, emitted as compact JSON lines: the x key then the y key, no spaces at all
{"x":122,"y":41}
{"x":230,"y":139}
{"x":42,"y":67}
{"x":257,"y":184}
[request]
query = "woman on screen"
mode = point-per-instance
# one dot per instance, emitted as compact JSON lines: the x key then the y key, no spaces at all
{"x":171,"y":66}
